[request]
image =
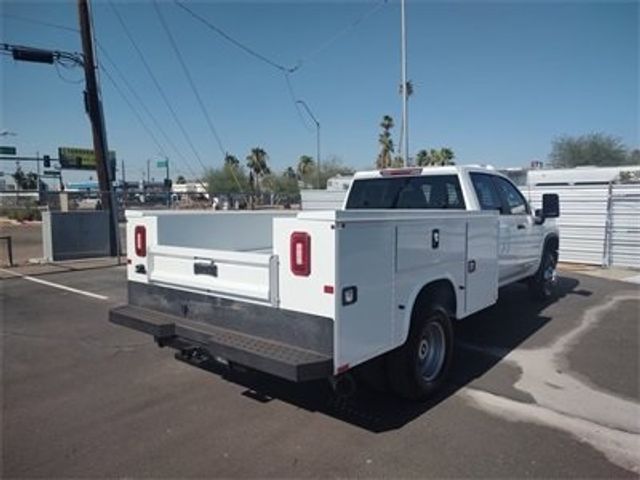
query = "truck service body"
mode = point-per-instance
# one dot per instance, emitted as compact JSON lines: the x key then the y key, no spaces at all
{"x":307,"y":295}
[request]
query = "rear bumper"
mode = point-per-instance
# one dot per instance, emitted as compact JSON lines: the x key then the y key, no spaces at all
{"x":290,"y":345}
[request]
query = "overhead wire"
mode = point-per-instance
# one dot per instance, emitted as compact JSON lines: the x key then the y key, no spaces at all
{"x":187,"y":74}
{"x":351,"y":26}
{"x":194,"y":89}
{"x":157,"y":85}
{"x":237,"y":43}
{"x":141,"y":119}
{"x":126,"y":82}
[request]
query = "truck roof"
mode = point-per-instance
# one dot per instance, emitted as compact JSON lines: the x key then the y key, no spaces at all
{"x":416,"y":171}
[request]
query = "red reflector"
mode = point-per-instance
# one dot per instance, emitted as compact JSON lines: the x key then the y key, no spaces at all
{"x":343,"y":368}
{"x":328,"y":289}
{"x":128,"y":261}
{"x":140,"y":240}
{"x":391,"y":172}
{"x":300,"y":254}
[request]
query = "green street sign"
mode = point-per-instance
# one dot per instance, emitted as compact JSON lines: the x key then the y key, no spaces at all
{"x":7,"y":150}
{"x":162,"y":163}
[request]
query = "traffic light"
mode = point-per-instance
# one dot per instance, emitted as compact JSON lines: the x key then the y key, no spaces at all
{"x":47,"y":161}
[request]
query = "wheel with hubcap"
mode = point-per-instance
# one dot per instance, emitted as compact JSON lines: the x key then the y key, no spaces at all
{"x":418,"y":368}
{"x":544,"y":284}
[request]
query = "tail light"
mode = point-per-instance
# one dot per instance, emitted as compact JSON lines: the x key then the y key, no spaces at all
{"x":300,"y":254}
{"x":140,"y":240}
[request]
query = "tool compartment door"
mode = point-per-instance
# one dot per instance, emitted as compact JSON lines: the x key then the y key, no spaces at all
{"x":481,"y":272}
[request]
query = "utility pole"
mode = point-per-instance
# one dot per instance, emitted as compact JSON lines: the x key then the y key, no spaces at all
{"x":405,"y":120}
{"x":148,"y":170}
{"x":96,"y":116}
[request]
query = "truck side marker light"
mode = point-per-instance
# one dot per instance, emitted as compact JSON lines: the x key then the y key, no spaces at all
{"x":328,"y":289}
{"x":349,"y":295}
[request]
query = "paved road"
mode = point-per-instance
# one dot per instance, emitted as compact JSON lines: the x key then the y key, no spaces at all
{"x":537,"y":391}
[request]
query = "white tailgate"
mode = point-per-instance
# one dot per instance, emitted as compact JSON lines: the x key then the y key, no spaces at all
{"x":244,"y":275}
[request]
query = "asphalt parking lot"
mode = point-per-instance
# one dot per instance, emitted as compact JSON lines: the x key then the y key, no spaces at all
{"x":537,"y":391}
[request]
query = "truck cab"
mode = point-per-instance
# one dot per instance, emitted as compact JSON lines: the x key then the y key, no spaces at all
{"x":522,"y":231}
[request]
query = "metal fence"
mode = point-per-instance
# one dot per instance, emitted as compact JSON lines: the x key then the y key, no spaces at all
{"x":599,"y":224}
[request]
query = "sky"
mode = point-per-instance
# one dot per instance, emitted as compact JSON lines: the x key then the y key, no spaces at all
{"x":494,"y":81}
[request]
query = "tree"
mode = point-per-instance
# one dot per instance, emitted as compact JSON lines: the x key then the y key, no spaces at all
{"x":181,"y":180}
{"x":290,"y":173}
{"x":385,"y":158}
{"x":333,"y":167}
{"x":24,"y":181}
{"x":231,"y":160}
{"x":226,"y":180}
{"x":433,"y":157}
{"x":596,"y":149}
{"x":258,"y":168}
{"x":306,"y":165}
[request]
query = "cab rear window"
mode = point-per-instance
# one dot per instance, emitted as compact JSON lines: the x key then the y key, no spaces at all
{"x":420,"y":192}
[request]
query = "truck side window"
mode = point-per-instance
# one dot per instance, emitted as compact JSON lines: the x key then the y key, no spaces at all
{"x":419,"y":192}
{"x":512,"y":196}
{"x":486,"y":192}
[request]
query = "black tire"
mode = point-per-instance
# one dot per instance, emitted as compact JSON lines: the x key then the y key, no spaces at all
{"x":544,"y":284}
{"x":416,"y":370}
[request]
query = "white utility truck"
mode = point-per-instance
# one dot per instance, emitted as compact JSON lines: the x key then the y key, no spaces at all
{"x":308,"y":295}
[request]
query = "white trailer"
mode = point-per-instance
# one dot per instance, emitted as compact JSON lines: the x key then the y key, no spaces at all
{"x":314,"y":294}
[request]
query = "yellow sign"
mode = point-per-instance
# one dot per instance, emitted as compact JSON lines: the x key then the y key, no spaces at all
{"x":81,"y":158}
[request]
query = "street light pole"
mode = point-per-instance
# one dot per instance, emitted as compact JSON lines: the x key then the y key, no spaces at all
{"x":306,"y":107}
{"x":405,"y":125}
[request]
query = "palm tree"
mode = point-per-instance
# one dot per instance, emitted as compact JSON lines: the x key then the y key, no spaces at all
{"x":305,"y":166}
{"x":447,"y":156}
{"x":422,"y":158}
{"x":258,"y":168}
{"x":231,"y":161}
{"x":385,"y":158}
{"x":290,"y":173}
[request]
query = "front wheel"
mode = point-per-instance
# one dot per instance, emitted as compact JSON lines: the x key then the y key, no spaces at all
{"x":420,"y":366}
{"x":544,"y":284}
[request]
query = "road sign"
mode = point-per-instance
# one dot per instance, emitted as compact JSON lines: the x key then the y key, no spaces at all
{"x":80,"y":158}
{"x":4,"y":150}
{"x":162,"y":163}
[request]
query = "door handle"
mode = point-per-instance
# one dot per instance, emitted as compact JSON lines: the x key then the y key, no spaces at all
{"x":521,"y":226}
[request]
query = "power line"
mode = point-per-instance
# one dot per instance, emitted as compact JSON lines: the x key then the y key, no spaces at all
{"x":133,"y":109}
{"x":133,"y":92}
{"x":235,"y":42}
{"x":294,"y":100}
{"x":323,"y":46}
{"x":40,"y":22}
{"x":143,"y":105}
{"x":140,"y":119}
{"x":192,"y":84}
{"x":157,"y":85}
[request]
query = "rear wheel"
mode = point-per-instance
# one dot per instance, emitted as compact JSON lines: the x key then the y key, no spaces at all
{"x":420,"y":367}
{"x":544,"y":284}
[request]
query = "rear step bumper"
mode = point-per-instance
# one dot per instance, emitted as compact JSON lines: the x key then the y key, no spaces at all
{"x":277,"y":358}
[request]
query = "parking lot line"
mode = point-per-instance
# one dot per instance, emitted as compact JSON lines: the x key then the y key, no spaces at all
{"x":55,"y":285}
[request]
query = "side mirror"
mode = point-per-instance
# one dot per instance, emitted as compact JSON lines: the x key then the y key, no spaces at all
{"x":550,"y":205}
